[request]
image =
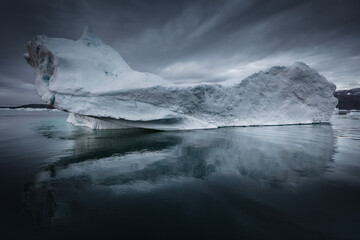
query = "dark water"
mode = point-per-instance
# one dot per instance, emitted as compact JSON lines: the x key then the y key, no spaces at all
{"x":283,"y":182}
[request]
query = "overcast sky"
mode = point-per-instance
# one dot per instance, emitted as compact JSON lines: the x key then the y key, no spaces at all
{"x":189,"y":41}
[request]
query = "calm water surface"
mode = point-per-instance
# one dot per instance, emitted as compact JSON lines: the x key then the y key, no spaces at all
{"x":281,"y":182}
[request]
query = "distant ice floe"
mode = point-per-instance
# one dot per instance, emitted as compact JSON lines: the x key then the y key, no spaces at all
{"x":95,"y":85}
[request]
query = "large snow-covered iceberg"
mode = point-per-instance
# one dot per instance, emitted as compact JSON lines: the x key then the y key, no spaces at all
{"x":92,"y":82}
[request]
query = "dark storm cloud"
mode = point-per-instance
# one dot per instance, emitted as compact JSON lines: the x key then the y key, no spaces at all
{"x":190,"y":41}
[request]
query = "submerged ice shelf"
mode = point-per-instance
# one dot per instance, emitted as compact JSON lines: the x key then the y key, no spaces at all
{"x":95,"y":85}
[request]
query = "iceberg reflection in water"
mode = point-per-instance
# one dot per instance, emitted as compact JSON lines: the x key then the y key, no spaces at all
{"x":128,"y":159}
{"x":136,"y":160}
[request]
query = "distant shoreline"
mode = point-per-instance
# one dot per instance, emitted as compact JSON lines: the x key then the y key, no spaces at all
{"x":36,"y":106}
{"x":348,"y":99}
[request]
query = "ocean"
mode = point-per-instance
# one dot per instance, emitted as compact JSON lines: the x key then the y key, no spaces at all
{"x":58,"y":181}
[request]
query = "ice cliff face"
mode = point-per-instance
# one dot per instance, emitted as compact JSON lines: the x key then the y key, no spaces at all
{"x":94,"y":84}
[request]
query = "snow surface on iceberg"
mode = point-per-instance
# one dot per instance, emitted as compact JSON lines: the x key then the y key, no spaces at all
{"x":95,"y":85}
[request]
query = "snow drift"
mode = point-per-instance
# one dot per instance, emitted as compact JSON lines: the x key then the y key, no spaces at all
{"x":95,"y":85}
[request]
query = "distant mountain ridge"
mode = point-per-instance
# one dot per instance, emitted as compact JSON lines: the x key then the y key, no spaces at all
{"x":348,"y":99}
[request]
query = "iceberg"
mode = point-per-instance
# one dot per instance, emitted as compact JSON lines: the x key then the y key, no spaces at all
{"x":92,"y":82}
